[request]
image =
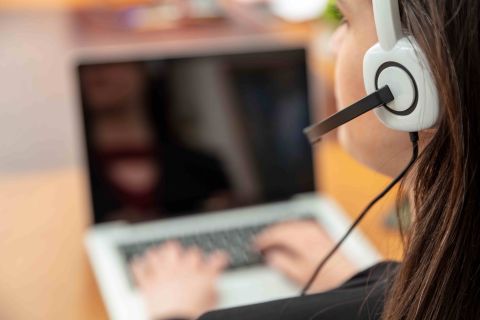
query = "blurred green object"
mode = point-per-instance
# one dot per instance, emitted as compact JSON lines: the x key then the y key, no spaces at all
{"x":399,"y":217}
{"x":332,"y":14}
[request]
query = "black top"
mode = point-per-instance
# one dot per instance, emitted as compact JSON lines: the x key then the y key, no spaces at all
{"x":361,"y":297}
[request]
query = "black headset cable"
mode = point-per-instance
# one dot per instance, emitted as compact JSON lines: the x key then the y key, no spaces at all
{"x":414,"y":139}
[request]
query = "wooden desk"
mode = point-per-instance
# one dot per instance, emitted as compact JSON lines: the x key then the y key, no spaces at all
{"x":44,"y":272}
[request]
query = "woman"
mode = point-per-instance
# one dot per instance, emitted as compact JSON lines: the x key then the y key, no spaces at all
{"x":439,"y":277}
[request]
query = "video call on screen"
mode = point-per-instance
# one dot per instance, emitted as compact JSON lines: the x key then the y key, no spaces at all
{"x":182,"y":136}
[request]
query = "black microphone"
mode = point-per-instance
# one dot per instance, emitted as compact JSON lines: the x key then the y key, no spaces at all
{"x":378,"y":98}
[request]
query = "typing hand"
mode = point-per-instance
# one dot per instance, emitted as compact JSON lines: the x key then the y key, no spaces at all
{"x":177,"y":282}
{"x":295,"y":249}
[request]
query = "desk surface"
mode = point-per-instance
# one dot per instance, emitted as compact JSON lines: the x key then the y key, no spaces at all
{"x":45,"y":273}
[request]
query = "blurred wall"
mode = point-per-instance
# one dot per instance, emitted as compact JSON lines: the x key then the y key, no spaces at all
{"x":38,"y":114}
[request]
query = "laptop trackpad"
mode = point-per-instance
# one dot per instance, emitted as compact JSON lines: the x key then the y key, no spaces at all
{"x":253,"y":285}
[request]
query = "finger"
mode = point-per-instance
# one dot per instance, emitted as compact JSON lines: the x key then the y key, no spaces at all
{"x":193,"y":258}
{"x":138,"y":269}
{"x":285,"y":264}
{"x":169,"y":253}
{"x":150,"y":257}
{"x":217,"y":261}
{"x":148,"y":261}
{"x":276,"y":236}
{"x":288,"y":235}
{"x":155,"y":258}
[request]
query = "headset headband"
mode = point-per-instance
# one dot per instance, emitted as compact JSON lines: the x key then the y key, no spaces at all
{"x":388,"y":23}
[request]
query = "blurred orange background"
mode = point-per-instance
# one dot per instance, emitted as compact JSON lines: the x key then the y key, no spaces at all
{"x":67,"y":278}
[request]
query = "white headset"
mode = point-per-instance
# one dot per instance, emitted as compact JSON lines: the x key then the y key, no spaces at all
{"x":398,"y":61}
{"x":397,"y":78}
{"x":400,"y":89}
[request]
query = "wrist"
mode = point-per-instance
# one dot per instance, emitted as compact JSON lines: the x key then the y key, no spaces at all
{"x":172,"y":314}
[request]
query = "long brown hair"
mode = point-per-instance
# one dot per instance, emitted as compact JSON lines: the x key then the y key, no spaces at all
{"x":440,"y":276}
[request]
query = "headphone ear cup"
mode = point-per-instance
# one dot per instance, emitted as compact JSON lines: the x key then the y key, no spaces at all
{"x":407,"y":73}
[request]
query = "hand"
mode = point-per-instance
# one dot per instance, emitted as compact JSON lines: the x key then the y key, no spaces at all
{"x":296,"y":248}
{"x":177,"y":282}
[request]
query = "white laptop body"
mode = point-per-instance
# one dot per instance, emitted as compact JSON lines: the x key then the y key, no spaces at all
{"x":238,"y":287}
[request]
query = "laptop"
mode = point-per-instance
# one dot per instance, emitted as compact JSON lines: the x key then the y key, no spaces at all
{"x":206,"y":150}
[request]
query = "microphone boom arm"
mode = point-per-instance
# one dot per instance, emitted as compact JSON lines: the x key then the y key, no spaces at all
{"x":370,"y":102}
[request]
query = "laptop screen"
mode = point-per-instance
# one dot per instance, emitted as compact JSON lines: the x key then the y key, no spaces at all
{"x":183,"y":136}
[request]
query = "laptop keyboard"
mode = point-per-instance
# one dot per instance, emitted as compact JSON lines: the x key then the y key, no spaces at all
{"x":236,"y":242}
